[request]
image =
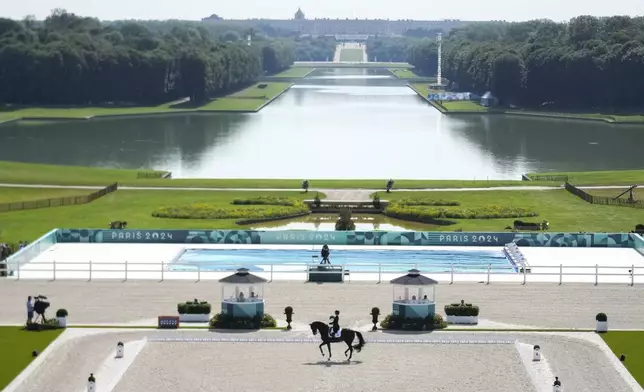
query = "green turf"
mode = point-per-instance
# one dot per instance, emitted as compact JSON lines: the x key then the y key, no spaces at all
{"x":249,"y":99}
{"x":564,"y":211}
{"x":352,"y":55}
{"x":620,"y":117}
{"x":631,"y":344}
{"x":15,"y":195}
{"x":294,"y":72}
{"x":463,"y":106}
{"x":135,"y":207}
{"x":16,"y":347}
{"x":403,"y":73}
{"x":615,"y":177}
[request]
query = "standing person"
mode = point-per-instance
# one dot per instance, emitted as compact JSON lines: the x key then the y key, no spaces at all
{"x":325,"y":254}
{"x":30,"y":310}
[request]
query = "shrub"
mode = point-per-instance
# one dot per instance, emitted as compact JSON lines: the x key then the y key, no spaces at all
{"x":268,"y":200}
{"x":211,"y":211}
{"x":194,"y":307}
{"x":62,"y":313}
{"x":375,"y":311}
{"x":376,"y":201}
{"x":408,"y":324}
{"x":431,"y":215}
{"x":461,"y":310}
{"x":345,"y":223}
{"x":427,"y":202}
{"x":226,"y":321}
{"x":601,"y":317}
{"x":317,"y":200}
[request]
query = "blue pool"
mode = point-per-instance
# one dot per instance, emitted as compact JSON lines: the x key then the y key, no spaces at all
{"x":259,"y":260}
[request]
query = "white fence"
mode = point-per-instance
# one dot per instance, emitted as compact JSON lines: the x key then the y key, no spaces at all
{"x":450,"y":273}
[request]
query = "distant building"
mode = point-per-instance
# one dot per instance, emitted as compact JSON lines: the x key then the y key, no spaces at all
{"x":325,"y":26}
{"x":488,"y":100}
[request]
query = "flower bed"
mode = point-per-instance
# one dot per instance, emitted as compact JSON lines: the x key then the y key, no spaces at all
{"x":267,"y":208}
{"x":462,"y":313}
{"x":194,"y":311}
{"x":392,"y":322}
{"x":223,"y":321}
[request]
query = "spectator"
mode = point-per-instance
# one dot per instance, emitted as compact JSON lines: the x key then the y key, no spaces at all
{"x":30,"y":310}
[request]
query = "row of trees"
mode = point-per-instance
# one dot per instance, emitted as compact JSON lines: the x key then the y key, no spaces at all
{"x":72,"y":60}
{"x":315,"y":49}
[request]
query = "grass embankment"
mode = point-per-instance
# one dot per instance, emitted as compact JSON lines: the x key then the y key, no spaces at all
{"x":352,"y":55}
{"x":17,"y":195}
{"x":609,"y":177}
{"x":294,"y":72}
{"x":137,"y":207}
{"x":631,"y":344}
{"x":247,"y":100}
{"x":17,"y":346}
{"x":30,"y":173}
{"x":403,"y":73}
{"x":445,"y":107}
{"x":564,"y":211}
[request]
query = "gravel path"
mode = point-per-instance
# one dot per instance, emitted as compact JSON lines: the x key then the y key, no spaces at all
{"x":182,"y":366}
{"x":536,"y":305}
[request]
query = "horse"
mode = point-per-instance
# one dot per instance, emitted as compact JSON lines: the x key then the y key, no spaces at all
{"x":347,"y":336}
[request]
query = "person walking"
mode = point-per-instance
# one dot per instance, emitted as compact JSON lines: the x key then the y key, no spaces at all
{"x":30,"y":310}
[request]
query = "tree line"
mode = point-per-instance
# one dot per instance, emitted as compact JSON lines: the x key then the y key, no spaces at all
{"x":586,"y":62}
{"x":72,"y":60}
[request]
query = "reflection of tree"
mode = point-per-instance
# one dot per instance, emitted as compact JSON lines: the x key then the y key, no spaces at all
{"x":316,"y":223}
{"x":345,"y":223}
{"x":376,"y":225}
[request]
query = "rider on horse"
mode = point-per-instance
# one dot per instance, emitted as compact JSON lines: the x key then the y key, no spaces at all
{"x":334,"y":324}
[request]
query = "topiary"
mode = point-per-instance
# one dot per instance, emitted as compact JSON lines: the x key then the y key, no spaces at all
{"x":601,"y":317}
{"x":62,"y":313}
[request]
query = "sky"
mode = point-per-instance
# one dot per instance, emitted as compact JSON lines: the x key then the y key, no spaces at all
{"x":510,"y":10}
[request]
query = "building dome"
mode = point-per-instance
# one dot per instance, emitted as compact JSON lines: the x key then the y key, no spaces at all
{"x":299,"y":15}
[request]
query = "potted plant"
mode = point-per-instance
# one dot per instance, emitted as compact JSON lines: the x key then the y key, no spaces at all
{"x":462,"y":313}
{"x":61,"y":317}
{"x":316,"y":201}
{"x":375,"y":312}
{"x":194,"y":311}
{"x":288,"y":311}
{"x":376,"y":201}
{"x":602,"y":322}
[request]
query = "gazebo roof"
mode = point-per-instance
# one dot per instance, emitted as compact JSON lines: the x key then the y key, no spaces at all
{"x":414,"y":278}
{"x":242,"y":276}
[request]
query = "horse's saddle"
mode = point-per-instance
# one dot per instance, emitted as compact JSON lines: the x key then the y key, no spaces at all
{"x":337,"y":335}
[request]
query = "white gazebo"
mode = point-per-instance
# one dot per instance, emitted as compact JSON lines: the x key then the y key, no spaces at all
{"x":242,"y":294}
{"x":414,"y":295}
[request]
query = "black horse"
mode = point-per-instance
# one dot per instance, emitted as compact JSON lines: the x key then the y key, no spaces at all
{"x":347,"y":336}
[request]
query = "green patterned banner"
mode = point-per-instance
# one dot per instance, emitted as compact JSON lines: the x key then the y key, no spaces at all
{"x":420,"y":238}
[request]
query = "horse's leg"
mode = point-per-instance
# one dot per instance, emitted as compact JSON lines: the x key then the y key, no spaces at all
{"x":329,"y":346}
{"x":323,"y":343}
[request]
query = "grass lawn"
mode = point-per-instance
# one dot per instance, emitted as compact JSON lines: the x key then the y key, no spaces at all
{"x":352,"y":55}
{"x":135,"y":207}
{"x":615,"y":177}
{"x":294,"y":72}
{"x":564,"y":211}
{"x":17,"y":346}
{"x":249,"y":99}
{"x":630,"y":344}
{"x":638,"y":193}
{"x":618,"y":117}
{"x":463,"y":106}
{"x":15,"y":195}
{"x":30,"y":173}
{"x":403,"y":73}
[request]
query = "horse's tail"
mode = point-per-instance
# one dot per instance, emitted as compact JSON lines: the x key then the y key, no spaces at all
{"x":358,"y":347}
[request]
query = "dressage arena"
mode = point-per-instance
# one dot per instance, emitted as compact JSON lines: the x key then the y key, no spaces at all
{"x":289,"y":262}
{"x":290,"y":361}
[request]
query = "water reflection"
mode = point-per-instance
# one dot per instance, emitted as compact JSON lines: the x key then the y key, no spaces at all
{"x":364,"y":222}
{"x":336,"y":123}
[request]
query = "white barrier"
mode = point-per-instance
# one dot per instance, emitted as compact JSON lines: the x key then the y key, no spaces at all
{"x":446,"y":272}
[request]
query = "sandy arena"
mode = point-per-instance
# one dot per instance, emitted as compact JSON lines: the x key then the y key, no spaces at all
{"x":577,"y":358}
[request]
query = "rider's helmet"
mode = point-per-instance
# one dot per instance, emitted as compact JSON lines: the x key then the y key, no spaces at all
{"x":337,"y":312}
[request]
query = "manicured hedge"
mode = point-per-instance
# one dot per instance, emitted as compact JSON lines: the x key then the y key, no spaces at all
{"x":225,"y":321}
{"x":431,"y":215}
{"x":461,"y":310}
{"x":427,"y":202}
{"x":408,"y":324}
{"x":211,"y":211}
{"x":194,"y":307}
{"x":269,"y":200}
